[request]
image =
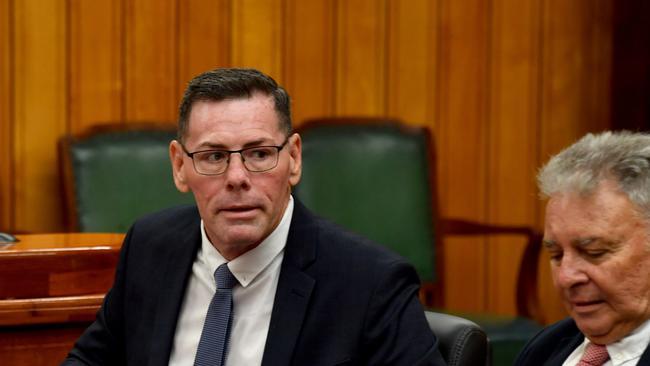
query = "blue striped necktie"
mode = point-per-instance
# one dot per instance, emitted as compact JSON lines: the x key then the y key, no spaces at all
{"x":213,"y":345}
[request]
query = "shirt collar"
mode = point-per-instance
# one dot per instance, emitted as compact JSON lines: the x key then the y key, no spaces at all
{"x":631,"y":346}
{"x":249,"y":265}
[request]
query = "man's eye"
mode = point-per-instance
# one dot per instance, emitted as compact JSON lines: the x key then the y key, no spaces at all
{"x":259,"y":154}
{"x":555,"y":256}
{"x":215,"y":156}
{"x":595,"y":253}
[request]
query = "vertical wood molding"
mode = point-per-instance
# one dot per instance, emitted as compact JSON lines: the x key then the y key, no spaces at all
{"x":40,"y":111}
{"x":309,"y":58}
{"x":151,"y":60}
{"x":513,"y":94}
{"x":361,"y":57}
{"x":257,"y":40}
{"x":203,"y":38}
{"x":574,"y":52}
{"x":503,"y":84}
{"x":96,"y":66}
{"x":463,"y":128}
{"x":6,"y":116}
{"x":412,"y":61}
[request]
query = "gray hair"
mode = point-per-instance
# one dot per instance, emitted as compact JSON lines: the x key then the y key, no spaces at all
{"x":227,"y":83}
{"x":623,"y":157}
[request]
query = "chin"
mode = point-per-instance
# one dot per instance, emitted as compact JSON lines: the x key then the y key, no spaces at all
{"x":597,"y":331}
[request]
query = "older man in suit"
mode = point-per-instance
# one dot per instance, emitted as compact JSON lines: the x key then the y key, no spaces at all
{"x":597,"y":233}
{"x":249,"y":276}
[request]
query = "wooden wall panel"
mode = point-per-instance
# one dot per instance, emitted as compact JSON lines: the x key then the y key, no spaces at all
{"x":6,"y":116}
{"x":150,"y":60}
{"x":203,"y":38}
{"x":513,"y":106}
{"x":361,"y":57}
{"x":257,"y":39}
{"x":575,"y":48}
{"x":40,"y":111}
{"x":503,"y":84}
{"x":462,"y":145}
{"x":309,"y":58}
{"x":96,"y":63}
{"x":412,"y":61}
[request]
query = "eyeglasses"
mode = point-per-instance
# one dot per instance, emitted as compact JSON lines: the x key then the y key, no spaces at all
{"x":255,"y":159}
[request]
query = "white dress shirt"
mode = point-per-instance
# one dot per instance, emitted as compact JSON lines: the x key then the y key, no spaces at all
{"x":257,"y":271}
{"x":625,"y":352}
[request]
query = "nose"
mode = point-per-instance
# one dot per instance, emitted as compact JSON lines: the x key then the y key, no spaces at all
{"x":568,"y":273}
{"x":237,"y":176}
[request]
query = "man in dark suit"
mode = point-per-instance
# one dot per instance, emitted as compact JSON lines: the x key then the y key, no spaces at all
{"x":597,"y":232}
{"x":249,"y":276}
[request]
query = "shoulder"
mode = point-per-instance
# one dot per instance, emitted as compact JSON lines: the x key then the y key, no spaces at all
{"x":170,"y":219}
{"x":342,"y":253}
{"x":164,"y":229}
{"x":560,"y":337}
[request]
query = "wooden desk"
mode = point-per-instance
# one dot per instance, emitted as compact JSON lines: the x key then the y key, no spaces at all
{"x":51,"y":286}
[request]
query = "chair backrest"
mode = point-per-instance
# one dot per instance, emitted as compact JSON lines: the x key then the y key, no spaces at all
{"x":114,"y":174}
{"x":461,"y":342}
{"x":358,"y":172}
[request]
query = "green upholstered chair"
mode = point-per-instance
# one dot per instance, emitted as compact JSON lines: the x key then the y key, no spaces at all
{"x":377,"y":178}
{"x":114,"y":174}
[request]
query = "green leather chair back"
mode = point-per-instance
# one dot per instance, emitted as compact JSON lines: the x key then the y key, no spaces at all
{"x":118,"y":175}
{"x":372,"y":178}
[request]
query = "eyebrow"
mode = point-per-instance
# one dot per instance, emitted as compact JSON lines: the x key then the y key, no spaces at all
{"x":218,"y":146}
{"x":580,"y":242}
{"x":548,"y":243}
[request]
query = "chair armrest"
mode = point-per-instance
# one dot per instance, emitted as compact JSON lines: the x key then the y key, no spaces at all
{"x":526,"y":296}
{"x":461,"y":342}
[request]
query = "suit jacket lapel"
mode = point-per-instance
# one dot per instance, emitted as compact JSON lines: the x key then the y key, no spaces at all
{"x":177,"y":270}
{"x":560,"y":355}
{"x":294,"y":289}
{"x":645,"y":358}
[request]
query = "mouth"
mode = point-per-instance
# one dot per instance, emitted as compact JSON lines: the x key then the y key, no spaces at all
{"x":583,"y":307}
{"x":239,"y":211}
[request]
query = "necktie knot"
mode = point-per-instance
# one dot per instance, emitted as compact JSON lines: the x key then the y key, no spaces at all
{"x":595,"y":355}
{"x":224,"y":278}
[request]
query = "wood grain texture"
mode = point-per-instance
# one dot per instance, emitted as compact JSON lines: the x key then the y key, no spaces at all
{"x":309,"y":57}
{"x":503,"y":85}
{"x":574,"y":50}
{"x":463,"y":146}
{"x":512,"y":111}
{"x":257,"y":39}
{"x":412,"y":61}
{"x":6,"y":116}
{"x":96,"y":69}
{"x":151,"y":56}
{"x":204,"y":38}
{"x":40,"y":111}
{"x":361,"y":57}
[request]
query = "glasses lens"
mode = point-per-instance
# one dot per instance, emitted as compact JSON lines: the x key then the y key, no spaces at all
{"x":211,"y":162}
{"x":260,"y":158}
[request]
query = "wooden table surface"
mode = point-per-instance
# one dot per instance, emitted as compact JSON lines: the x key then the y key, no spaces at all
{"x":51,"y":286}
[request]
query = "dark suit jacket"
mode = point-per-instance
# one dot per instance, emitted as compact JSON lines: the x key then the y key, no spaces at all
{"x":340,"y":299}
{"x":554,"y":344}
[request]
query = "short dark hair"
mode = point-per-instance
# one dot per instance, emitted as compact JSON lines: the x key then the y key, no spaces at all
{"x":232,"y":83}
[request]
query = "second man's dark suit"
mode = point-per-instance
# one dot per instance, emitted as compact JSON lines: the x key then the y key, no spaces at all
{"x":553,"y":345}
{"x":340,"y":300}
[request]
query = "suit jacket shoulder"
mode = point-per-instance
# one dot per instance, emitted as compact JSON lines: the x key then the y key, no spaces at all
{"x":552,"y":345}
{"x":342,"y":299}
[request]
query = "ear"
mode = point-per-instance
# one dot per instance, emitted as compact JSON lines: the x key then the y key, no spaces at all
{"x":295,"y":159}
{"x":176,"y":155}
